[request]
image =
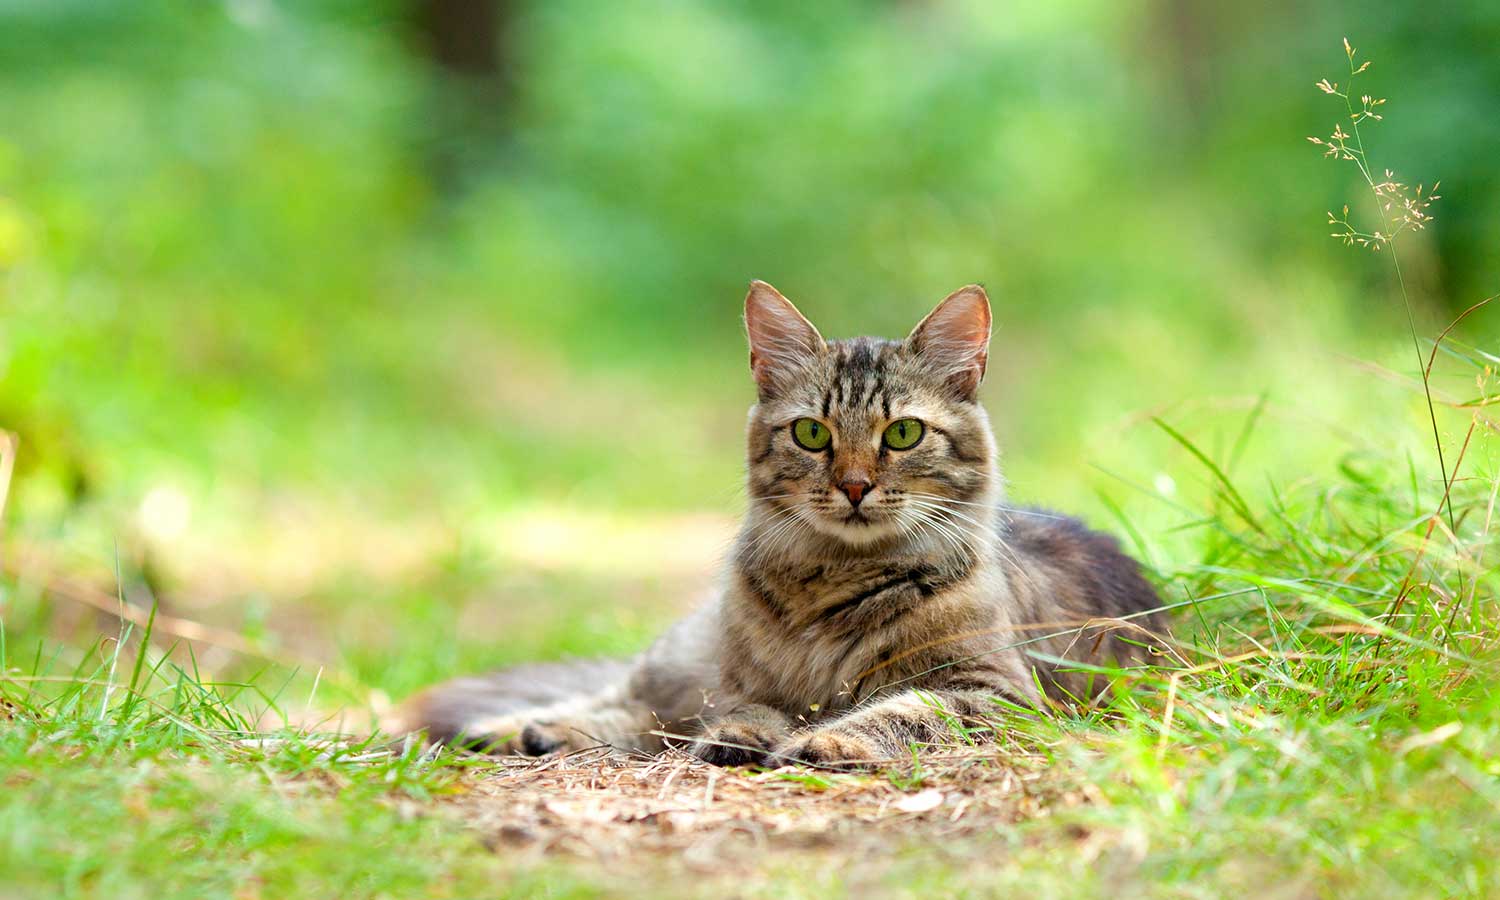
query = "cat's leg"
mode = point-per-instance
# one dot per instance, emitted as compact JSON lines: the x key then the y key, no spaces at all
{"x":666,"y":690}
{"x":613,"y":718}
{"x":888,"y":729}
{"x":743,"y":736}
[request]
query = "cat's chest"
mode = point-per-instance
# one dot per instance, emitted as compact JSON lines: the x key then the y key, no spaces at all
{"x":825,"y":638}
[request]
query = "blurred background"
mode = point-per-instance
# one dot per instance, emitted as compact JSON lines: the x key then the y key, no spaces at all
{"x":400,"y":338}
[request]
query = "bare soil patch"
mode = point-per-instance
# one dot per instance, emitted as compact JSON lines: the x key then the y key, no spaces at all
{"x":614,"y":809}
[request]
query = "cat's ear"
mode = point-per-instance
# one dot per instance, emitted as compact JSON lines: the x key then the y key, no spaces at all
{"x":781,"y":338}
{"x":954,"y":339}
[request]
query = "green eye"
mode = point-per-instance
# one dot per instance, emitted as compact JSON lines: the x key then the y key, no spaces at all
{"x":903,"y":434}
{"x":810,"y":434}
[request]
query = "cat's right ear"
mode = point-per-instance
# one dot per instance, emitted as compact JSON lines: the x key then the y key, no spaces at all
{"x":781,"y":338}
{"x":954,"y":339}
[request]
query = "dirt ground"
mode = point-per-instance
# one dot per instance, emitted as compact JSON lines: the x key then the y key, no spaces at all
{"x":705,"y":822}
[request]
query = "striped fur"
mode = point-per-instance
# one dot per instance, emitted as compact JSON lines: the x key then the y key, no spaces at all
{"x":850,"y":627}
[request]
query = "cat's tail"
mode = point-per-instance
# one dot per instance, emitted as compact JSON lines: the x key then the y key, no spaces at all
{"x":447,"y":710}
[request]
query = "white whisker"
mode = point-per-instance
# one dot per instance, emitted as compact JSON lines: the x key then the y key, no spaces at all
{"x":1001,"y":545}
{"x":1001,"y":507}
{"x":784,"y":523}
{"x":925,"y":504}
{"x":947,"y":532}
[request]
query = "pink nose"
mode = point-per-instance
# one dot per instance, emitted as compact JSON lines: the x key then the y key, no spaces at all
{"x":854,"y":490}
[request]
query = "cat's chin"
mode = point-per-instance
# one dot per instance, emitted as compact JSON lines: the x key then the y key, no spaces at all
{"x":859,"y":532}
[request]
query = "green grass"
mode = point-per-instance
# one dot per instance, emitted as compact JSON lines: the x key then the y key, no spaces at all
{"x":133,"y":776}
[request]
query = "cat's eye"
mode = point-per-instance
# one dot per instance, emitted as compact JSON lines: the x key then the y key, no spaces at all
{"x":810,"y":434}
{"x":903,"y":434}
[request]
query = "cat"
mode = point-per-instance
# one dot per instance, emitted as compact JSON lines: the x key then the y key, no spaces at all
{"x":878,"y":594}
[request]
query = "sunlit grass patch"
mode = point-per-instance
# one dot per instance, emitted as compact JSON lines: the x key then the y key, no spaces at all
{"x":130,"y":774}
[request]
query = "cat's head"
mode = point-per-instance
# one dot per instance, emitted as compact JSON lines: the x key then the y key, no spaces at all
{"x":866,"y":441}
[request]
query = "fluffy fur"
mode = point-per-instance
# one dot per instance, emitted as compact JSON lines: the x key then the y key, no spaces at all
{"x":875,"y":597}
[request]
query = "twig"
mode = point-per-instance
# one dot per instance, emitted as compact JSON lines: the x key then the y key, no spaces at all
{"x":1432,"y":357}
{"x":176,"y":626}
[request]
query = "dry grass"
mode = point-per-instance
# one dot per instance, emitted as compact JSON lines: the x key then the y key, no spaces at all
{"x":610,"y":809}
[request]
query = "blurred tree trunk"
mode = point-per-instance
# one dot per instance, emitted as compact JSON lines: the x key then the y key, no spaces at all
{"x":1187,"y":39}
{"x":463,"y":36}
{"x":466,"y":42}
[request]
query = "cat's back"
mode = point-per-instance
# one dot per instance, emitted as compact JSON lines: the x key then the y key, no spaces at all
{"x":1065,"y":576}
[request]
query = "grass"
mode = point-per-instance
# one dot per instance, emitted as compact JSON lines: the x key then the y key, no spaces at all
{"x":1322,"y":723}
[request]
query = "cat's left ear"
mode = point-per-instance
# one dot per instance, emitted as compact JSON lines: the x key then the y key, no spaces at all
{"x":954,"y":339}
{"x":781,"y":338}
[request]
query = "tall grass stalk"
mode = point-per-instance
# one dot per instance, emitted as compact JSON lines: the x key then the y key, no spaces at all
{"x":1397,"y":209}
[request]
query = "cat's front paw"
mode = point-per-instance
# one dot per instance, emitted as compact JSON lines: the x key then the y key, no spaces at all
{"x":734,"y":744}
{"x":496,"y":735}
{"x":829,"y":748}
{"x":540,"y":738}
{"x":522,"y":736}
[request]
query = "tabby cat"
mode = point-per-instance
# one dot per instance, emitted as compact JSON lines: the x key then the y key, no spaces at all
{"x":878,"y":593}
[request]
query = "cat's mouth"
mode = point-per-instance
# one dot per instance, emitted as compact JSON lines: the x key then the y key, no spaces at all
{"x":858,"y":526}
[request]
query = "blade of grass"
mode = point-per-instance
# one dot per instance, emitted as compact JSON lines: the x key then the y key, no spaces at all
{"x":1236,"y":501}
